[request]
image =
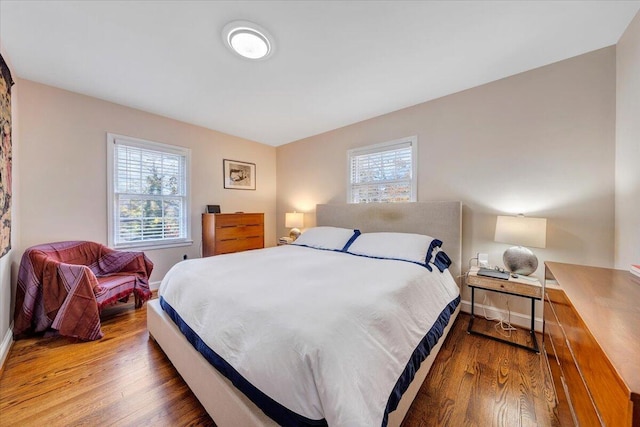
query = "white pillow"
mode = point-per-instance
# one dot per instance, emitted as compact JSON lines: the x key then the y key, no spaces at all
{"x":331,"y":238}
{"x":402,"y":246}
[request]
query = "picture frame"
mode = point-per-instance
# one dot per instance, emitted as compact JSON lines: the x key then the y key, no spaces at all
{"x":239,"y":175}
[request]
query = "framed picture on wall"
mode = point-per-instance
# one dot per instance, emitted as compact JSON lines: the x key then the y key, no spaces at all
{"x":5,"y":157}
{"x":239,"y":175}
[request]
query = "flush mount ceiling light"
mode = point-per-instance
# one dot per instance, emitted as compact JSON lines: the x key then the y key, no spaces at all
{"x":248,"y":40}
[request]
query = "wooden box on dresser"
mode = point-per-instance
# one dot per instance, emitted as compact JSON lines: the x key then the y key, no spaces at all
{"x":592,"y":344}
{"x":224,"y":233}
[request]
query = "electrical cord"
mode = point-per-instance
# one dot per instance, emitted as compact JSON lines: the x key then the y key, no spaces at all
{"x":466,"y":274}
{"x":502,"y":324}
{"x":471,"y":259}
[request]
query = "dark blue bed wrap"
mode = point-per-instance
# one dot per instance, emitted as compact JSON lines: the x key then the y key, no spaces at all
{"x":286,"y":417}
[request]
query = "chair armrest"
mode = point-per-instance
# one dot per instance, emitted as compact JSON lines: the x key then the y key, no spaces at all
{"x":123,"y":262}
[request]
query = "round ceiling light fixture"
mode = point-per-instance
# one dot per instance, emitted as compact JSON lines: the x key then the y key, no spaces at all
{"x":248,"y":40}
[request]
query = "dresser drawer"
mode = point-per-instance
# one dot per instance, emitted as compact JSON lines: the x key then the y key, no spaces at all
{"x":563,"y":409}
{"x":527,"y":289}
{"x":238,"y":232}
{"x":233,"y":220}
{"x":240,"y":244}
{"x":609,"y":394}
{"x":577,"y":396}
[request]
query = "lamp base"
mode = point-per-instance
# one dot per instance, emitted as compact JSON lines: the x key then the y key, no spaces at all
{"x":520,"y":260}
{"x":294,"y":233}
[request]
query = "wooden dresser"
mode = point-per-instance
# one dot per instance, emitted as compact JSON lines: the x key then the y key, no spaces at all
{"x":592,"y":344}
{"x":224,"y":233}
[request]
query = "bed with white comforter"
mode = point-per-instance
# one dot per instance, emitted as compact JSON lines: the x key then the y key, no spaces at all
{"x":312,"y":337}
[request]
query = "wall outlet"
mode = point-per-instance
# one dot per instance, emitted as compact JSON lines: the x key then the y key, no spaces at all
{"x":184,"y":256}
{"x":483,"y":260}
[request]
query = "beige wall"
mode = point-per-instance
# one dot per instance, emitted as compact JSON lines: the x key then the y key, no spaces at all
{"x":63,"y":190}
{"x":627,"y":205}
{"x":540,"y":143}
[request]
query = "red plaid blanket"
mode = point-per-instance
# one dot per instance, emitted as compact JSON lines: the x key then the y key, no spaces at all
{"x":58,"y":286}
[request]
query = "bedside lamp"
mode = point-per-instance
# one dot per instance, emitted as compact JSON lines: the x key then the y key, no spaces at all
{"x":522,"y":232}
{"x":294,"y":220}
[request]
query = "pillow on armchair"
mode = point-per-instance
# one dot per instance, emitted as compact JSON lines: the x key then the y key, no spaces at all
{"x":64,"y":285}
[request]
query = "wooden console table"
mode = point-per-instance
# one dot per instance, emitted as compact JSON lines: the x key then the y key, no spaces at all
{"x":592,"y":344}
{"x":528,"y":287}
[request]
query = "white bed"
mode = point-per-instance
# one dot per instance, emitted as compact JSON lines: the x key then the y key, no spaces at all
{"x":223,"y":401}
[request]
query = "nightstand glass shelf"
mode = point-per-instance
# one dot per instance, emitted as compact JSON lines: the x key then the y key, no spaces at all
{"x":528,"y":287}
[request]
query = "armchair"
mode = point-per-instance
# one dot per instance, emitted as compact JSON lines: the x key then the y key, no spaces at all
{"x":64,"y":286}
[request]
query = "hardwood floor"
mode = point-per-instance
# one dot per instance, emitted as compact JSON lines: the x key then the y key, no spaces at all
{"x":125,"y":380}
{"x":476,"y":381}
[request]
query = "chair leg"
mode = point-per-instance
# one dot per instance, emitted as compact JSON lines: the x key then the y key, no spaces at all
{"x":139,"y":301}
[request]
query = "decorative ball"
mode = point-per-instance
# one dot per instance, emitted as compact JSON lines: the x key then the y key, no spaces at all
{"x":520,"y":260}
{"x":294,"y":233}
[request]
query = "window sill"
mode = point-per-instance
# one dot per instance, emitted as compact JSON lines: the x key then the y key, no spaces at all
{"x":148,"y":246}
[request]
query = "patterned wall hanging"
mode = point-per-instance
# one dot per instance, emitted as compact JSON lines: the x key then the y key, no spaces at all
{"x":5,"y":157}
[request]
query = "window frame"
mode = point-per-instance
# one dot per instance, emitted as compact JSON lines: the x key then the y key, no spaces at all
{"x":382,"y":147}
{"x":112,"y":229}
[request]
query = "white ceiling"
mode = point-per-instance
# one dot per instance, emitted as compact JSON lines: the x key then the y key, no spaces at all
{"x":336,"y":62}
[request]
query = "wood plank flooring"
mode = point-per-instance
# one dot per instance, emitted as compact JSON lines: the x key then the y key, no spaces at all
{"x":476,"y":381}
{"x":126,"y":380}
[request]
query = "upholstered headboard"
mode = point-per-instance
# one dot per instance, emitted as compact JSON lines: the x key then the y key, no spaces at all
{"x":442,"y":220}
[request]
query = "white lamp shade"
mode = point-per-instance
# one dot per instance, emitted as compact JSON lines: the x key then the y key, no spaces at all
{"x":293,"y":219}
{"x":521,"y":231}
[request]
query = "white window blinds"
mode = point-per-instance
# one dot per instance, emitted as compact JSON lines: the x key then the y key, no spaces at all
{"x":149,"y":197}
{"x":383,"y":172}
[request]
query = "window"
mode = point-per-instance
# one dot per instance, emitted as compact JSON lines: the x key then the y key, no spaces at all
{"x":148,"y":190}
{"x":383,"y":172}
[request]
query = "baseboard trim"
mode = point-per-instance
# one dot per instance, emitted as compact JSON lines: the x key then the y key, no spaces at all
{"x":154,"y":286}
{"x":5,"y":347}
{"x":518,"y":319}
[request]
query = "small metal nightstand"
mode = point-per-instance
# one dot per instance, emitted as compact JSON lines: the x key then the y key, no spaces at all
{"x":525,"y":288}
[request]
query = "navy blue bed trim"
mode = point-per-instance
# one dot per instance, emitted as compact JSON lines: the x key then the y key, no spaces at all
{"x":353,"y":237}
{"x":419,"y":355}
{"x":356,"y":233}
{"x":286,"y":417}
{"x":442,"y":261}
{"x":435,"y":243}
{"x":421,"y":264}
{"x":276,"y":411}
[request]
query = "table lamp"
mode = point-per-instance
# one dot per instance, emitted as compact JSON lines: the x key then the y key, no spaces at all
{"x":294,"y":220}
{"x":522,"y":232}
